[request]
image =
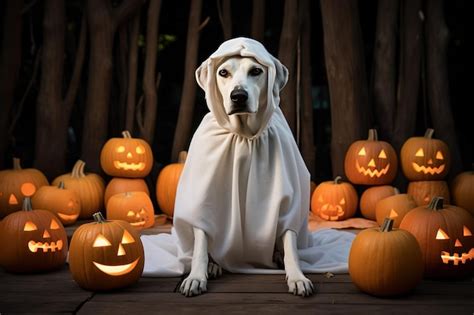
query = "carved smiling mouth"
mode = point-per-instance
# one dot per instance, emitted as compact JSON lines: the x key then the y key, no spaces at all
{"x":130,"y":166}
{"x":446,"y":257}
{"x":66,"y":217}
{"x":428,"y":169}
{"x":116,"y":270}
{"x":335,"y":212}
{"x":139,"y":224}
{"x":53,"y":246}
{"x":372,"y":173}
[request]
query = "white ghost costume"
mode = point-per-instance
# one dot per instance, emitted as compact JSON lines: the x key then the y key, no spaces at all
{"x":244,"y":191}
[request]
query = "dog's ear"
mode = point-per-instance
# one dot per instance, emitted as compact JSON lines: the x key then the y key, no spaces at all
{"x":202,"y":74}
{"x":281,"y":76}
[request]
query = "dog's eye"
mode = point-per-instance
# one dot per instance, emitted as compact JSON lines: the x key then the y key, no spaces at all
{"x":255,"y":72}
{"x":223,"y":73}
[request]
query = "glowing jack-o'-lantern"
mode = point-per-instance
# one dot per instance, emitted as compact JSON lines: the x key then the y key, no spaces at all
{"x":394,"y":207}
{"x":106,"y":255}
{"x":424,"y":191}
{"x":32,"y":241}
{"x":134,"y":207}
{"x":444,"y":233}
{"x":167,"y":184}
{"x":425,"y":158}
{"x":334,"y":200}
{"x":126,"y":157}
{"x":16,"y":184}
{"x":371,"y":162}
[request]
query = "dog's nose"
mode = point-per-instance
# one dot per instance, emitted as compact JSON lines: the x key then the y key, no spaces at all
{"x":239,"y":96}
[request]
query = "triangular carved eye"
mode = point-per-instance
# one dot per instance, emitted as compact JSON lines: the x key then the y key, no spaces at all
{"x":343,"y":201}
{"x":30,"y":226}
{"x":466,"y":231}
{"x":140,"y":150}
{"x":101,"y":241}
{"x":442,"y":235}
{"x":439,"y":155}
{"x":382,"y":155}
{"x":420,"y":152}
{"x":121,"y":149}
{"x":130,"y":213}
{"x":54,"y":225}
{"x":142,"y":211}
{"x":362,"y":152}
{"x":127,"y":238}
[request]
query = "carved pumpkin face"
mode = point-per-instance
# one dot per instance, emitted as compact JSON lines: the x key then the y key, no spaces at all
{"x":106,"y":255}
{"x":128,"y":157}
{"x":134,"y":207}
{"x":371,"y":162}
{"x":394,"y":207}
{"x":37,"y":241}
{"x":425,"y":158}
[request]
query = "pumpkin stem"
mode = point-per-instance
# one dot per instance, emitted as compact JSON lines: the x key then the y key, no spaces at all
{"x":182,"y":157}
{"x":429,"y":133}
{"x":80,"y":171}
{"x":98,"y":217}
{"x":396,"y":190}
{"x":61,"y":185}
{"x":437,"y":203}
{"x":337,"y":180}
{"x":387,"y":225}
{"x":126,"y":134}
{"x":75,"y":169}
{"x":16,"y":164}
{"x":373,"y":136}
{"x":27,"y":204}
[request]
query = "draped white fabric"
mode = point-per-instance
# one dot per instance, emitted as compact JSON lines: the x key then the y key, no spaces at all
{"x":244,"y":191}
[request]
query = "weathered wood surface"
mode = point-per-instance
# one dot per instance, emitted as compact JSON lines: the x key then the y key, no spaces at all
{"x":56,"y":292}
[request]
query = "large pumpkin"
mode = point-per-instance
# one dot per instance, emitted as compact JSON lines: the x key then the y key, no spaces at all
{"x":425,"y":158}
{"x":89,"y":187}
{"x":126,"y":157}
{"x":334,"y":200}
{"x":16,"y":184}
{"x":371,"y":162}
{"x":371,"y":196}
{"x":424,"y":191}
{"x":462,"y":190}
{"x":394,"y":207}
{"x":120,"y":185}
{"x":167,"y":184}
{"x":106,"y":255}
{"x":444,"y":233}
{"x":32,"y":241}
{"x":134,"y":207}
{"x":64,"y":203}
{"x":385,"y":262}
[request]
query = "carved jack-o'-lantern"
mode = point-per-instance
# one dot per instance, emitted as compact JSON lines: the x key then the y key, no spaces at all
{"x":371,"y":162}
{"x":444,"y":233}
{"x":134,"y":207}
{"x":126,"y":157}
{"x":16,"y":184}
{"x":32,"y":241}
{"x":106,"y":255}
{"x":334,"y":200}
{"x":394,"y":207}
{"x":425,"y":158}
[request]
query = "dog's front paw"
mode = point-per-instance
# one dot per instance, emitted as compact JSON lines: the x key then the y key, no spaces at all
{"x":193,"y":285}
{"x":213,"y":270}
{"x":300,"y":285}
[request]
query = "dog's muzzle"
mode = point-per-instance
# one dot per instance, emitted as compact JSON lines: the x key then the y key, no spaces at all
{"x":239,"y":99}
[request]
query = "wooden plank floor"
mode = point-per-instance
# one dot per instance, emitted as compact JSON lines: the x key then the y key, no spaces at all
{"x":56,"y":292}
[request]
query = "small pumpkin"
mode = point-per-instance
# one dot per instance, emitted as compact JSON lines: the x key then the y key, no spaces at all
{"x":371,"y":162}
{"x":424,"y":191}
{"x":33,"y":241}
{"x":462,"y":190}
{"x":134,"y":207}
{"x":425,"y":158}
{"x":106,"y":255}
{"x":167,"y":184}
{"x":334,"y":200}
{"x":394,"y":207}
{"x":88,"y":187}
{"x":120,"y":185}
{"x":385,"y":261}
{"x":444,"y":233}
{"x":371,"y":196}
{"x":16,"y":184}
{"x":126,"y":157}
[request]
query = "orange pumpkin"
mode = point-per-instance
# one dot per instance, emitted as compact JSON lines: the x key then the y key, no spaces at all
{"x":424,"y":191}
{"x":462,"y":190}
{"x":126,"y":157}
{"x":120,"y":185}
{"x":16,"y":184}
{"x":371,"y":162}
{"x":394,"y":207}
{"x":134,"y":207}
{"x":167,"y":184}
{"x":334,"y":200}
{"x":369,"y":199}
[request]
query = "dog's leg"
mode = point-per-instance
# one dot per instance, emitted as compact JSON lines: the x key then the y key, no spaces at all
{"x":298,"y":284}
{"x":196,"y":282}
{"x":213,"y":269}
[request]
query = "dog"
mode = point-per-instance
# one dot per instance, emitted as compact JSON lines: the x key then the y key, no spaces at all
{"x":242,"y":83}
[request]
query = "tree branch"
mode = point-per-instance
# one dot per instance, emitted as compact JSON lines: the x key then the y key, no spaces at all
{"x":121,"y":13}
{"x":132,"y":73}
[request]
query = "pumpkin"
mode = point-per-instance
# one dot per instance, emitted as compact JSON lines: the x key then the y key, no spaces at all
{"x":167,"y":184}
{"x":126,"y":157}
{"x":120,"y":185}
{"x":424,"y":191}
{"x":334,"y":200}
{"x":88,"y":187}
{"x":385,"y":261}
{"x":444,"y":233}
{"x":369,"y":199}
{"x":134,"y":207}
{"x":16,"y":184}
{"x":462,"y":190}
{"x":371,"y":162}
{"x":33,"y":241}
{"x":106,"y":255}
{"x":64,"y":203}
{"x":312,"y":187}
{"x":394,"y":207}
{"x":425,"y":158}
